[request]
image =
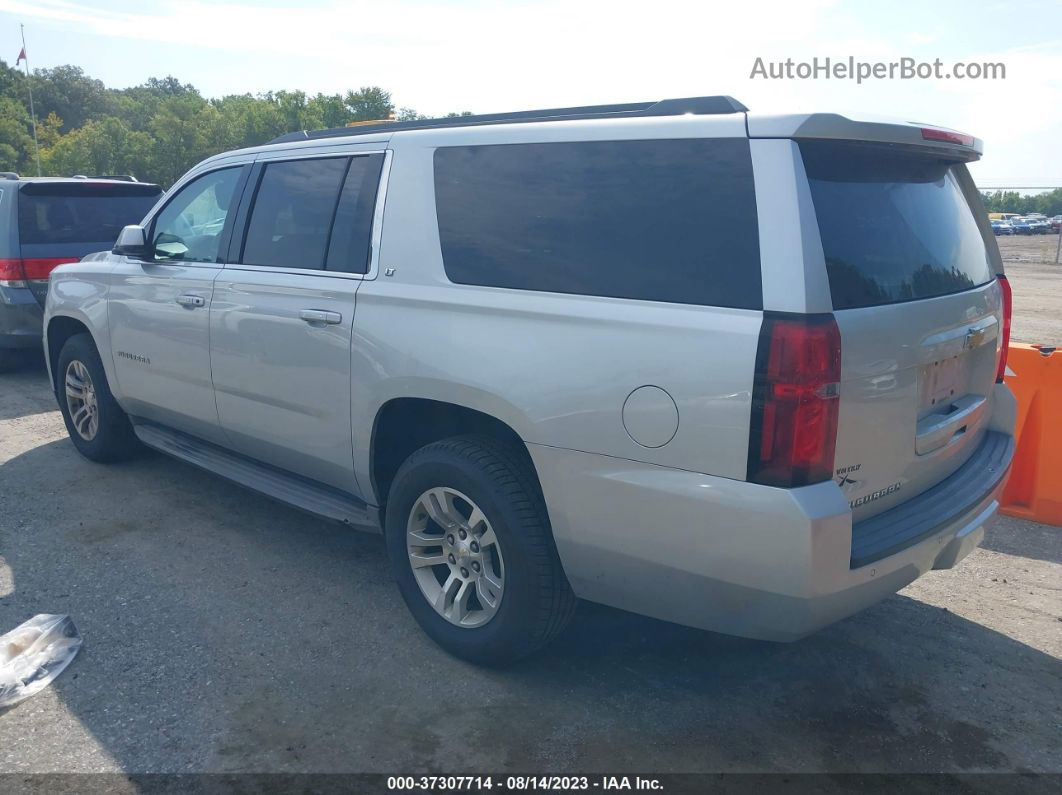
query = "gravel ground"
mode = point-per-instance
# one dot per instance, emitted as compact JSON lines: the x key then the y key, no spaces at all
{"x":224,"y":632}
{"x":1037,"y":283}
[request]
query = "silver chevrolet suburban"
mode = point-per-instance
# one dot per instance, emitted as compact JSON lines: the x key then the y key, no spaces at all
{"x":734,"y":370}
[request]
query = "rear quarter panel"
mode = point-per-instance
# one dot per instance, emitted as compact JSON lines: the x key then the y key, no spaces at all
{"x":557,"y":368}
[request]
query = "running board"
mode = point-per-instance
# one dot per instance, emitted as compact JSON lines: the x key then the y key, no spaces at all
{"x":291,"y":489}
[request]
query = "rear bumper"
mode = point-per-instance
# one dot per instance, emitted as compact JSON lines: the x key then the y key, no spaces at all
{"x":21,"y":319}
{"x":730,"y":556}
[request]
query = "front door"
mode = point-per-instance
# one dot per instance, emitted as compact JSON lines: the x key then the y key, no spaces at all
{"x":283,"y":312}
{"x":159,"y":309}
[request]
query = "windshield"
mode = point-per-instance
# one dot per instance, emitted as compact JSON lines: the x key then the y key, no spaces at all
{"x":894,"y":226}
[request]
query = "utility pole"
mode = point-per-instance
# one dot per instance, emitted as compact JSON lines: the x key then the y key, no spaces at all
{"x":29,"y":87}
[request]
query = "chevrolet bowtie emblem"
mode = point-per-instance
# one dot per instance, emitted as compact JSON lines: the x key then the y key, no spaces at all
{"x":974,"y":337}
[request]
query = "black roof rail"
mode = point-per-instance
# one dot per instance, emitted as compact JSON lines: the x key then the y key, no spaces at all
{"x":666,"y":107}
{"x":119,"y":177}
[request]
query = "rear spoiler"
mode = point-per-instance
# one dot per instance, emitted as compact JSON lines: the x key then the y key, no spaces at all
{"x":833,"y":126}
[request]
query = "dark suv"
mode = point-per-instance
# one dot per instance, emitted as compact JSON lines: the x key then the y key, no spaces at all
{"x":45,"y":222}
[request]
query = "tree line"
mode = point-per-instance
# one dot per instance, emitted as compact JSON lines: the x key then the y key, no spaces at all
{"x":158,"y":130}
{"x":1010,"y":201}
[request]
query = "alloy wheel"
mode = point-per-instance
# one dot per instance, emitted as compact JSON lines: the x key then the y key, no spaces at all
{"x":455,"y":556}
{"x":81,"y":401}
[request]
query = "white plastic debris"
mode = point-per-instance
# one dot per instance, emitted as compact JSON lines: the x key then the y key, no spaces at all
{"x":33,"y":654}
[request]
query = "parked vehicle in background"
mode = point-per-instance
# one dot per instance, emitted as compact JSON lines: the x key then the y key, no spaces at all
{"x":1038,"y":223}
{"x":1056,"y":222}
{"x":1023,"y":226}
{"x":48,"y":221}
{"x":1002,"y":228}
{"x":739,"y":371}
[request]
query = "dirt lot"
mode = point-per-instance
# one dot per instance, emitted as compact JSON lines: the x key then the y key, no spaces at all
{"x":1037,"y":283}
{"x":226,"y":633}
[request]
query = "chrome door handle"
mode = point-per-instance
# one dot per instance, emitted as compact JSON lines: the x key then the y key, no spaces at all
{"x":190,"y":301}
{"x":320,"y":316}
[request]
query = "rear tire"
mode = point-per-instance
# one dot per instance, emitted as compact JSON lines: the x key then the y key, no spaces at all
{"x":491,"y":494}
{"x":98,"y":427}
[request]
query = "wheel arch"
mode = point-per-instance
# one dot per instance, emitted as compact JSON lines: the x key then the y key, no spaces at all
{"x":60,"y":328}
{"x":405,"y":424}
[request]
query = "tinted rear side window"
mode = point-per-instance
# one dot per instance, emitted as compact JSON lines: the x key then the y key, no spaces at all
{"x":894,"y":227}
{"x":80,"y":213}
{"x":348,"y":250}
{"x":293,"y":211}
{"x":666,"y":220}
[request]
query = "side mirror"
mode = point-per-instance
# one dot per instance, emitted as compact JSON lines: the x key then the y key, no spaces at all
{"x":132,"y":242}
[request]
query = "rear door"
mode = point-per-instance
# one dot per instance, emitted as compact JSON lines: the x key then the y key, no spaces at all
{"x":912,"y":277}
{"x":62,"y":221}
{"x":283,"y":312}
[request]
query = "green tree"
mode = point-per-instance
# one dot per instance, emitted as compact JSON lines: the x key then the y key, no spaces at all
{"x":138,"y":105}
{"x":12,"y":81}
{"x":1011,"y":201}
{"x":368,"y":103}
{"x":160,"y":128}
{"x":100,"y":147}
{"x":49,"y":130}
{"x":330,"y":109}
{"x":251,"y":120}
{"x":16,"y":138}
{"x":185,"y":130}
{"x":71,"y":95}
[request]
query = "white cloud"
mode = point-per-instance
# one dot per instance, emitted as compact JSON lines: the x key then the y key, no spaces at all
{"x":495,"y":56}
{"x":430,"y":52}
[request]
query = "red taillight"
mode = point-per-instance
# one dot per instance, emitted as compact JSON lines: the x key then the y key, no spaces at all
{"x":948,"y":136}
{"x":40,"y":268}
{"x":16,"y":271}
{"x":795,"y":400}
{"x":11,"y":271}
{"x":1008,"y":311}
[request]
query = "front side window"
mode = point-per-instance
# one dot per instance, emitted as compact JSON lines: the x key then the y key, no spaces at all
{"x":660,"y":220}
{"x":189,"y":228}
{"x":291,"y":219}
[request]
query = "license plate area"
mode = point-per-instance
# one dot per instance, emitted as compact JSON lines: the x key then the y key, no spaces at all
{"x":941,"y":382}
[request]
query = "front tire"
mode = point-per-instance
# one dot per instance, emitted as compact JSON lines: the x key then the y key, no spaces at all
{"x":98,"y":427}
{"x":471,"y":548}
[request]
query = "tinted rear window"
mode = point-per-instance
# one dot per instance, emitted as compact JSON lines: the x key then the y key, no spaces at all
{"x":348,"y":249}
{"x":667,"y":220}
{"x":293,"y":213}
{"x":80,"y":213}
{"x":894,"y":227}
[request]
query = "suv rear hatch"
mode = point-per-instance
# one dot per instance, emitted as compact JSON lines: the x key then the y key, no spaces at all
{"x":63,"y":220}
{"x":912,"y":264}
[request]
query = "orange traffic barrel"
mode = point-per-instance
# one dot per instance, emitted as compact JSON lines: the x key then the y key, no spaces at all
{"x":1034,"y":489}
